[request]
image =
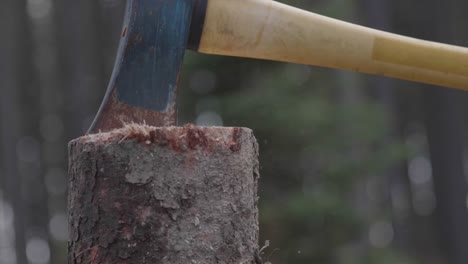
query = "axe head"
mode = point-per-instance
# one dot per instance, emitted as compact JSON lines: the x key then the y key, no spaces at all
{"x":143,"y":86}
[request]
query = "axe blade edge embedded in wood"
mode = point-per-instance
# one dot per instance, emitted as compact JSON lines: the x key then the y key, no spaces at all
{"x":156,"y":33}
{"x":146,"y":73}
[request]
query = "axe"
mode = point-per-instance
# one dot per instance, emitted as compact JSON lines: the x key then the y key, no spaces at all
{"x":156,"y":33}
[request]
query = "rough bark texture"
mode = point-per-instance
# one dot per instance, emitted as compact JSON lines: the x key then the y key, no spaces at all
{"x":164,"y":195}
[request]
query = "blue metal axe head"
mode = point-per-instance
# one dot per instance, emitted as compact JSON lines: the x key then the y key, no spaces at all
{"x":143,"y":86}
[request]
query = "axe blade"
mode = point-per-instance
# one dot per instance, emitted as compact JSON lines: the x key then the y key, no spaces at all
{"x":143,"y":86}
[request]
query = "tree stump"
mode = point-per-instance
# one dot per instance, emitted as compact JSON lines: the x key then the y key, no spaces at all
{"x":183,"y":195}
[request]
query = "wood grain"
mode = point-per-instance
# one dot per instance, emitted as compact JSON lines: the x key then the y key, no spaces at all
{"x":270,"y":30}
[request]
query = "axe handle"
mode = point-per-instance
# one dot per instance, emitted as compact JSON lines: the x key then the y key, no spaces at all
{"x":266,"y":29}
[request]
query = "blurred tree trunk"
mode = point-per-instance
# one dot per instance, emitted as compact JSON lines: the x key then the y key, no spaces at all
{"x":111,"y":15}
{"x":351,"y":94}
{"x":378,"y":14}
{"x":80,"y":40}
{"x":445,"y":136}
{"x":444,"y":131}
{"x":45,"y":123}
{"x":422,"y":239}
{"x":444,"y":127}
{"x":12,"y":62}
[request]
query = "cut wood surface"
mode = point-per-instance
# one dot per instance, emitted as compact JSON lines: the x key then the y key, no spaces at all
{"x":164,"y":195}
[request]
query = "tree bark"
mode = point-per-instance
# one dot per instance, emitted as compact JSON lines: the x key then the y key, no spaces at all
{"x":446,"y":140}
{"x":12,"y":81}
{"x":164,"y":195}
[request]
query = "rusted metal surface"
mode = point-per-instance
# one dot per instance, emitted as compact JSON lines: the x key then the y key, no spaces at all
{"x":143,"y":86}
{"x":115,"y":114}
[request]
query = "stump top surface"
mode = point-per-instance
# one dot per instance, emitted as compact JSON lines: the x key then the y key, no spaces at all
{"x":180,"y":138}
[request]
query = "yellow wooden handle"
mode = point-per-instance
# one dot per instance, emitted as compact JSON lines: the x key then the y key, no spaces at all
{"x":266,"y":29}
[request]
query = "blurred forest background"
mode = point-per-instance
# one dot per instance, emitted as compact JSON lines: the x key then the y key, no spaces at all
{"x":355,"y":168}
